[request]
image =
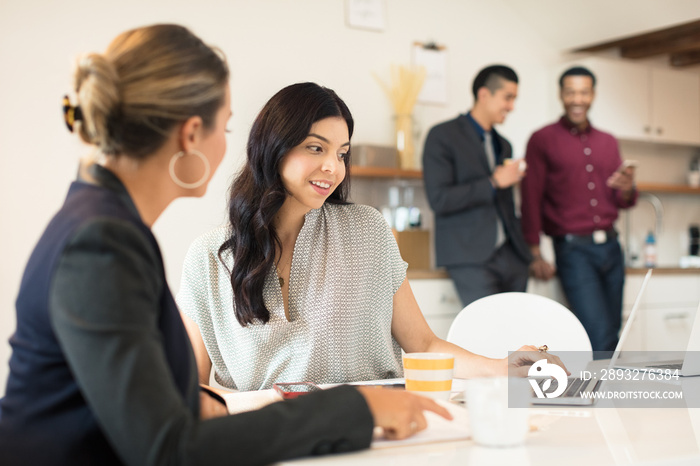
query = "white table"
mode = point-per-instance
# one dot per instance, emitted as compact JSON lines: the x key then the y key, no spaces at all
{"x":560,"y":436}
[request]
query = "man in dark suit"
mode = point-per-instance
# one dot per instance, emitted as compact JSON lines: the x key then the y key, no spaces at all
{"x":469,"y":181}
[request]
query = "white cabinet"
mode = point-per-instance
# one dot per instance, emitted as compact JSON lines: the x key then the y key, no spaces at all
{"x":439,"y":301}
{"x":638,"y":102}
{"x":666,"y":312}
{"x":622,"y":103}
{"x":668,"y":329}
{"x":675,"y":106}
{"x":665,"y":318}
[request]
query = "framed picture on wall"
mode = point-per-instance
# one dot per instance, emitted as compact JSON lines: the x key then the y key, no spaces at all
{"x":366,"y":14}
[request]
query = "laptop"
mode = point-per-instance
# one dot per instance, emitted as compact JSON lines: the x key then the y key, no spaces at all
{"x":687,"y":367}
{"x":577,"y":392}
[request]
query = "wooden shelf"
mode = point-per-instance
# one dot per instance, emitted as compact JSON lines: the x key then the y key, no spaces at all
{"x":386,"y":172}
{"x":383,"y":172}
{"x":667,"y":188}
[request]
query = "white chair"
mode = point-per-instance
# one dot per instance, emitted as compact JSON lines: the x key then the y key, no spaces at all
{"x":496,"y":324}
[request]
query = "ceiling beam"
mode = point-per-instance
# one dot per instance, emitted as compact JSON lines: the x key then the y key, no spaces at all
{"x":675,"y":39}
{"x":686,"y":58}
{"x":669,"y":43}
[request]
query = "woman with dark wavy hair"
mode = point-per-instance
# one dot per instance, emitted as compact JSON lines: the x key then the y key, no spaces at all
{"x":259,"y":193}
{"x":302,"y":285}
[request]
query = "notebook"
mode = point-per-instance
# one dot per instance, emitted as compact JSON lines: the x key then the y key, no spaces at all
{"x":578,"y":389}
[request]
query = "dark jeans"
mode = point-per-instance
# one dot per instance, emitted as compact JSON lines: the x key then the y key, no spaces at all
{"x":504,"y":271}
{"x":593,"y":276}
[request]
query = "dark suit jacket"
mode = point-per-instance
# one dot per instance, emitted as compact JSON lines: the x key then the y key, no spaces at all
{"x":102,"y":371}
{"x":466,"y":206}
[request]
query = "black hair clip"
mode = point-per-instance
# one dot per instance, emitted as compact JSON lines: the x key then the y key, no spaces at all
{"x":71,"y":114}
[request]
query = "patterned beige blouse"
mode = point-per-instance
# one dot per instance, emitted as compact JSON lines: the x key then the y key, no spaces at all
{"x":345,"y":271}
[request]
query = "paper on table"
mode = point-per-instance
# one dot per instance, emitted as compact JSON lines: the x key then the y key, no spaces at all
{"x":439,"y":429}
{"x":240,"y":402}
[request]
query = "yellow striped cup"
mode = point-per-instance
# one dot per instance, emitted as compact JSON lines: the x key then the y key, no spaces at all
{"x":429,"y":374}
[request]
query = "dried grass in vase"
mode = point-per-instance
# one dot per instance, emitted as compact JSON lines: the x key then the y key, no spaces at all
{"x":403,"y":91}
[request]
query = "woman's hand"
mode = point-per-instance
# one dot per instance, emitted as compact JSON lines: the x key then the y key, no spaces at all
{"x":520,"y":361}
{"x":398,"y":412}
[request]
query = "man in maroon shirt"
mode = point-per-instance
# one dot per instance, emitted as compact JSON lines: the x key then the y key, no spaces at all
{"x":574,"y":186}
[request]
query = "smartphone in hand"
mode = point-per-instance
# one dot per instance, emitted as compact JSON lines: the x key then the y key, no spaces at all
{"x":626,"y":164}
{"x":293,"y":390}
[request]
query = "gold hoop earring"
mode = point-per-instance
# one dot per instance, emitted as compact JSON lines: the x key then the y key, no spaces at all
{"x":196,"y":184}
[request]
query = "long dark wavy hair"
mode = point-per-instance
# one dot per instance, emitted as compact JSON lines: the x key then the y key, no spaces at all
{"x":257,"y":193}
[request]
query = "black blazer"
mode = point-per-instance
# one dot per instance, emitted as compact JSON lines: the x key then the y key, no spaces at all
{"x":456,"y":174}
{"x":102,"y":371}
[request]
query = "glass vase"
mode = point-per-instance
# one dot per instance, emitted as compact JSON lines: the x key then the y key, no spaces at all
{"x":404,"y":142}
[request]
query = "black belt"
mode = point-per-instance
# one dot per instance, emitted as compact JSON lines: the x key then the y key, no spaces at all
{"x":597,"y":237}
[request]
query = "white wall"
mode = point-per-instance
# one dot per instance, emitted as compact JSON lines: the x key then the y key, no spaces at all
{"x":269,"y":43}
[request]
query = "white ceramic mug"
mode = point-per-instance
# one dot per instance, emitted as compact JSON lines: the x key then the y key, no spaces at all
{"x":493,"y":423}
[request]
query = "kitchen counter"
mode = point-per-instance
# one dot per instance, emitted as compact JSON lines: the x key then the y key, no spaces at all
{"x":663,"y":270}
{"x":442,"y":273}
{"x":427,"y":274}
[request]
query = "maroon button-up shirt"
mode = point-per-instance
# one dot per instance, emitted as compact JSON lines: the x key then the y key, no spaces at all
{"x":565,"y":188}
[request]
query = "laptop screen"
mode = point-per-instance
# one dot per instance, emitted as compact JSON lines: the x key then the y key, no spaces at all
{"x":628,"y":325}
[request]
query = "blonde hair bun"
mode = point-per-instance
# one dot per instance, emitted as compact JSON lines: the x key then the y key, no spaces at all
{"x":147,"y":81}
{"x":97,"y":86}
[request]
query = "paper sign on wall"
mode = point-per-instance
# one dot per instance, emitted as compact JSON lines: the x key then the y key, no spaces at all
{"x":434,"y":59}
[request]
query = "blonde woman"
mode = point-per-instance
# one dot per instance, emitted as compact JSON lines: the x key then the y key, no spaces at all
{"x":102,"y":371}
